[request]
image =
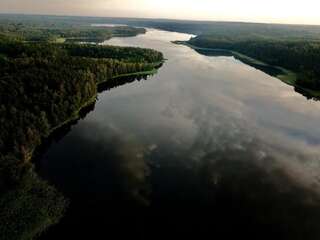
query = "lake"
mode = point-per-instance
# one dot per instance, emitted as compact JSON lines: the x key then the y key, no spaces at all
{"x":209,"y":146}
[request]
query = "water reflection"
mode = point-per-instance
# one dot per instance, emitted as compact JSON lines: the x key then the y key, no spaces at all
{"x":271,"y":70}
{"x":207,"y":147}
{"x":268,"y":69}
{"x":106,"y":86}
{"x":63,"y":131}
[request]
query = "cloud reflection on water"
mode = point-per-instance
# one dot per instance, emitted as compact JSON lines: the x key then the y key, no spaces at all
{"x":208,"y":136}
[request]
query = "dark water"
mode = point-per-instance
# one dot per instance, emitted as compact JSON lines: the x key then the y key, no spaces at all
{"x":209,"y":148}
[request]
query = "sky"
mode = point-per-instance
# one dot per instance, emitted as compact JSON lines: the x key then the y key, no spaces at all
{"x":273,"y":11}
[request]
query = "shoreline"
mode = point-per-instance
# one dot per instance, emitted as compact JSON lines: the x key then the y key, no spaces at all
{"x":75,"y":115}
{"x":287,"y":76}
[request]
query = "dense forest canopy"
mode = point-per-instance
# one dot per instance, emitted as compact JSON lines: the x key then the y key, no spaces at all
{"x":42,"y":86}
{"x":235,"y":29}
{"x":294,"y":47}
{"x":45,"y":79}
{"x":283,"y":31}
{"x":35,"y":29}
{"x":39,"y":73}
{"x":300,"y":56}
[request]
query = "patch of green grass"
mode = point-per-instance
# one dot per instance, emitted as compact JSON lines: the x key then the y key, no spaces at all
{"x":60,"y":40}
{"x":288,"y":77}
{"x":248,"y":59}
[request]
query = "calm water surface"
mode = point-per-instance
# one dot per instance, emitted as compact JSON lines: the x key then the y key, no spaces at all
{"x":209,"y":145}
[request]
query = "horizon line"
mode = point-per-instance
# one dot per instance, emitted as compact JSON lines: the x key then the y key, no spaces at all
{"x":159,"y":18}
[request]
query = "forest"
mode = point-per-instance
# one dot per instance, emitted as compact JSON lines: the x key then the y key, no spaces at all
{"x":299,"y":56}
{"x":46,"y":29}
{"x":293,"y":47}
{"x":46,"y":78}
{"x":217,"y":28}
{"x":44,"y":85}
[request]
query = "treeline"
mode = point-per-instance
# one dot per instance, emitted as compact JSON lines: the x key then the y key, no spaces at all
{"x":41,"y":86}
{"x":302,"y":57}
{"x":72,"y":33}
{"x":234,"y":29}
{"x":125,"y":54}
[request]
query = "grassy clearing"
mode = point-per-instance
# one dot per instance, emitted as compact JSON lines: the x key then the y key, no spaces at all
{"x":288,"y":77}
{"x":248,"y":59}
{"x":60,"y":40}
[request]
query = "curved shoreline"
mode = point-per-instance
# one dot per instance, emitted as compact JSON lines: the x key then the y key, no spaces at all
{"x":287,"y":76}
{"x":74,"y":116}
